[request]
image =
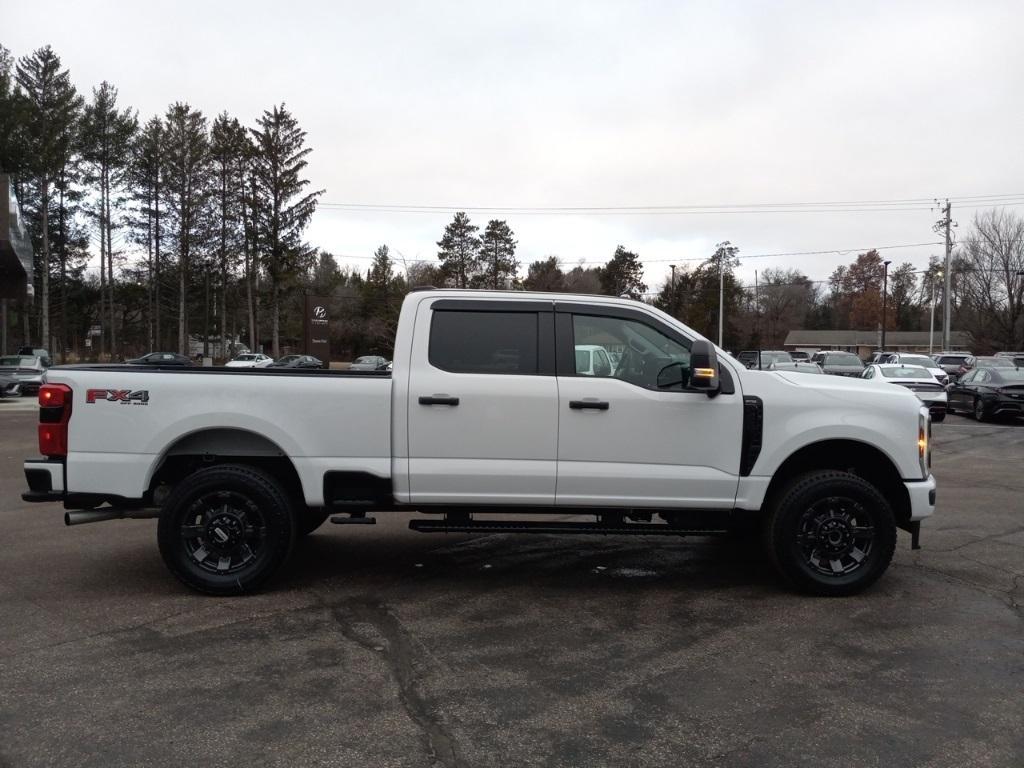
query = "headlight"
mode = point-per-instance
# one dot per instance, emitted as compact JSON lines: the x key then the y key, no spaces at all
{"x":924,"y":441}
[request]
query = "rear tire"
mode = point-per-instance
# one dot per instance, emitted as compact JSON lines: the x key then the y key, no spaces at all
{"x":225,"y":530}
{"x":830,"y":533}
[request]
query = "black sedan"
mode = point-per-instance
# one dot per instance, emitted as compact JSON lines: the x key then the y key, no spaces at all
{"x":164,"y":359}
{"x":297,"y":361}
{"x":987,"y":392}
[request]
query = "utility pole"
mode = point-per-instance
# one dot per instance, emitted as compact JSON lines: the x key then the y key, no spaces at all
{"x":721,"y":297}
{"x":946,"y":222}
{"x":885,"y":296}
{"x":757,"y":313}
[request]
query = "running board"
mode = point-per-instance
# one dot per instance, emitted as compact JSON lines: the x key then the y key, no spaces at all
{"x":353,"y":520}
{"x":427,"y":525}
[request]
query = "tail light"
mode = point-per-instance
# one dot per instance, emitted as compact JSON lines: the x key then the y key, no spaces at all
{"x":54,"y":415}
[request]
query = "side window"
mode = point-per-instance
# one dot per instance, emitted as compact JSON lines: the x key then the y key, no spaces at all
{"x":869,"y":373}
{"x":484,"y":342}
{"x":981,"y":377}
{"x":646,"y":357}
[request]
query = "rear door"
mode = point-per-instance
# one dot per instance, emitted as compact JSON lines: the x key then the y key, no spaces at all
{"x":637,"y":436}
{"x":483,"y":403}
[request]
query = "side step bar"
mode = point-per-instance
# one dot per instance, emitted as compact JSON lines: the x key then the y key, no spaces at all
{"x":428,"y":525}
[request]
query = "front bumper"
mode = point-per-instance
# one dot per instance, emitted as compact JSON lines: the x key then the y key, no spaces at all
{"x":922,"y":497}
{"x":1005,"y":405}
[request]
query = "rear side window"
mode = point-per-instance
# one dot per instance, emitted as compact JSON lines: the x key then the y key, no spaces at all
{"x":484,"y":342}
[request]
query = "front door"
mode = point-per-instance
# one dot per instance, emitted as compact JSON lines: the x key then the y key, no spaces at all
{"x":483,"y":404}
{"x":635,"y":435}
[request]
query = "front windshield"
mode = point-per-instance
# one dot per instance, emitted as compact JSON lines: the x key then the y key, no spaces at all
{"x":906,"y":372}
{"x":364,"y":359}
{"x":246,"y":357}
{"x":994,"y":362}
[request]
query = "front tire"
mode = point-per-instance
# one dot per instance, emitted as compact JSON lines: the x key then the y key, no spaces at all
{"x":226,"y":529}
{"x":941,"y":416}
{"x":830,"y":533}
{"x":980,"y":412}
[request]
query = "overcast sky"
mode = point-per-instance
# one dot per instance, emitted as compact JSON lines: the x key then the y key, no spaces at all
{"x":588,"y":104}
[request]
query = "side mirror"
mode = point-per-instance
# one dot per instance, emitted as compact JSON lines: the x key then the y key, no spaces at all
{"x":704,"y":367}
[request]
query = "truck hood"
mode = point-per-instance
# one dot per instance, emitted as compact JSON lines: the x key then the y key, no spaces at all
{"x":846,"y":387}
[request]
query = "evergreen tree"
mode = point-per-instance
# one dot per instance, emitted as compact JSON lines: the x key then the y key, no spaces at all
{"x":52,"y":108}
{"x":545,"y":275}
{"x":107,"y":138}
{"x":12,"y":119}
{"x":623,"y":275}
{"x":285,"y":208}
{"x":228,"y":148}
{"x":496,"y":262}
{"x":186,"y":197}
{"x":459,"y":251}
{"x":146,"y":176}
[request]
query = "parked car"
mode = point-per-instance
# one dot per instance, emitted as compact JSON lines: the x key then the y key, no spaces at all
{"x":593,"y":360}
{"x":796,"y":367}
{"x":490,"y":416}
{"x":28,"y":370}
{"x":369,"y":363}
{"x":839,"y":363}
{"x":985,"y":361}
{"x":37,"y":352}
{"x":165,"y":359}
{"x":986,"y":392}
{"x":297,"y":361}
{"x":917,"y":379}
{"x":911,"y":358}
{"x":250,"y":360}
{"x":764,"y":358}
{"x":10,"y":386}
{"x":952,"y":362}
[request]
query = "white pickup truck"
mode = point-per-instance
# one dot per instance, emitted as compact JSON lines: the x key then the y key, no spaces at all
{"x":489,"y":410}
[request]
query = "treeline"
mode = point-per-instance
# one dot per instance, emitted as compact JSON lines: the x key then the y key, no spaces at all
{"x":198,"y":223}
{"x":198,"y":227}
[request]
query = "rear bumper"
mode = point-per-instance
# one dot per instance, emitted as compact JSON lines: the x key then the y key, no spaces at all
{"x":922,"y":495}
{"x":45,"y":478}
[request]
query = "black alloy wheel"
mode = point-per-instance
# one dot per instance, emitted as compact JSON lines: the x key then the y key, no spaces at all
{"x":830,"y":533}
{"x":226,"y":529}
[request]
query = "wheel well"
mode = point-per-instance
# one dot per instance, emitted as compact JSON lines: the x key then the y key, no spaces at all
{"x":210,"y":447}
{"x":861,"y":459}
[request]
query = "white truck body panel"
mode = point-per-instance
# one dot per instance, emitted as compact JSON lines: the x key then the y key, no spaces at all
{"x":511,"y":441}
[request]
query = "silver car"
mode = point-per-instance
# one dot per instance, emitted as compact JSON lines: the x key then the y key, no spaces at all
{"x":26,"y":370}
{"x":839,"y":363}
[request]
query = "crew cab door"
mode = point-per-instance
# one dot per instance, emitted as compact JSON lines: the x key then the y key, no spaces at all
{"x":483,"y":403}
{"x":637,"y":436}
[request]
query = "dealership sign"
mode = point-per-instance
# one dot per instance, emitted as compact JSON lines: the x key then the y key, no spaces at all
{"x":318,"y":328}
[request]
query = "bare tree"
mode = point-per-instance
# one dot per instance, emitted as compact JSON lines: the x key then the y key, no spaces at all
{"x":991,"y":278}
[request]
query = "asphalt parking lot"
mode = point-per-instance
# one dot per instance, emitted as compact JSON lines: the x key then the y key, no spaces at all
{"x":383,"y":647}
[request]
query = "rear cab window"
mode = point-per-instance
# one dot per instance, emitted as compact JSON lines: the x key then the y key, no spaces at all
{"x":469,"y":341}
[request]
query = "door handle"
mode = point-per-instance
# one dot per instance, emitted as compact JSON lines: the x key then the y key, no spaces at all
{"x":439,"y":400}
{"x":583,"y":405}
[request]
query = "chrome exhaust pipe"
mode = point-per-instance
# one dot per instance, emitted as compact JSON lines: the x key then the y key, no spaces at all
{"x":81,"y":517}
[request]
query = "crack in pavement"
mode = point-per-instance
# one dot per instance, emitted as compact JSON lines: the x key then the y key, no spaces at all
{"x":400,"y":654}
{"x":1004,"y":596}
{"x":982,"y":539}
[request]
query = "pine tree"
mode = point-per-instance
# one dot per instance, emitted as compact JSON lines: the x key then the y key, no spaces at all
{"x":12,"y":119}
{"x":52,"y":112}
{"x":623,"y":275}
{"x":459,"y":251}
{"x":147,"y":170}
{"x":545,"y":275}
{"x":284,"y":210}
{"x":186,"y":196}
{"x":496,"y":262}
{"x":107,"y":137}
{"x":228,"y":147}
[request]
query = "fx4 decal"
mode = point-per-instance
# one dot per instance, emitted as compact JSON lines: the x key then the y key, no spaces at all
{"x":124,"y":396}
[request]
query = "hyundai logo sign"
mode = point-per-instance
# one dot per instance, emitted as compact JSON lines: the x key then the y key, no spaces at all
{"x":319,"y":312}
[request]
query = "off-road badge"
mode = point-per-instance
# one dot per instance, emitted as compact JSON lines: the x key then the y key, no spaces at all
{"x":123,"y":396}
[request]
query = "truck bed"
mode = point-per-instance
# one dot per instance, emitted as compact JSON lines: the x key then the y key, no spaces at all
{"x":126,"y":419}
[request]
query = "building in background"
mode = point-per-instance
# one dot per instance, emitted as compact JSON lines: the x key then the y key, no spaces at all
{"x":16,"y":255}
{"x":863,"y":343}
